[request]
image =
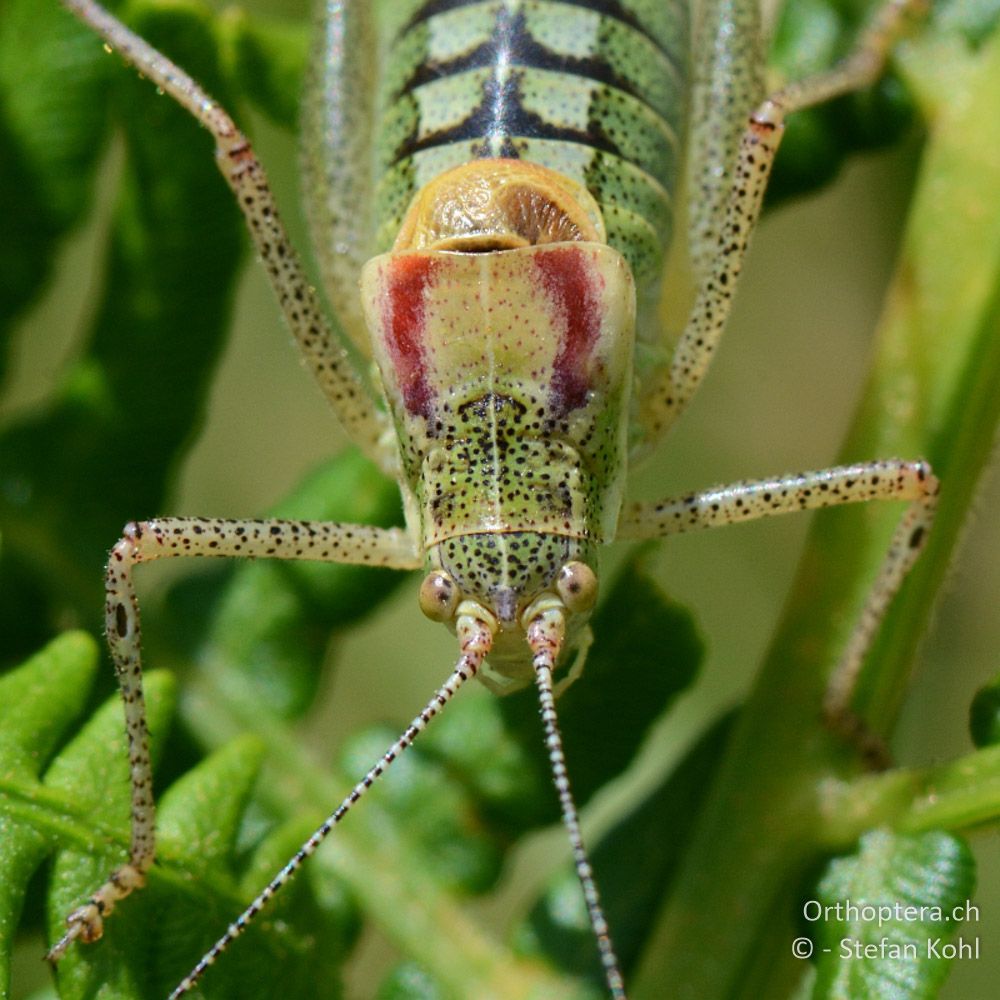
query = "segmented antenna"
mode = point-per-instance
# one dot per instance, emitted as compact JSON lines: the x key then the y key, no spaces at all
{"x":476,"y":640}
{"x":545,"y":637}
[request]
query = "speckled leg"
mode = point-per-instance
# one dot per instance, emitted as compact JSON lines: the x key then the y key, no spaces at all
{"x":339,"y":377}
{"x":891,"y":479}
{"x":184,"y":536}
{"x":669,"y":393}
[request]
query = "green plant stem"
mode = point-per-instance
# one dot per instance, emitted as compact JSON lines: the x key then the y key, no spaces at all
{"x":933,"y":393}
{"x":953,"y":796}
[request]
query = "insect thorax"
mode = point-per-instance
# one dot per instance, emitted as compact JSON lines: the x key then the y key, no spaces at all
{"x":507,"y":371}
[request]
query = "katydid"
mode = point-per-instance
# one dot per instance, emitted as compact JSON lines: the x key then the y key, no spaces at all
{"x":525,"y":159}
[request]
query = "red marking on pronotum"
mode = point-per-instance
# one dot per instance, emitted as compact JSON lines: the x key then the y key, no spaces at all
{"x":574,"y":290}
{"x":403,"y":325}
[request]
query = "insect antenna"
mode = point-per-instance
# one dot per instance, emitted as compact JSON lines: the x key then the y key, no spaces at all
{"x":545,"y":637}
{"x":475,"y":638}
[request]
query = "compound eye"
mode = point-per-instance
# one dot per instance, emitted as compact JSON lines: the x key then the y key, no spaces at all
{"x":577,"y":586}
{"x":438,"y":596}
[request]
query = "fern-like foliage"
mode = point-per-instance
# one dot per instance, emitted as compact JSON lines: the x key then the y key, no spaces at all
{"x":67,"y":803}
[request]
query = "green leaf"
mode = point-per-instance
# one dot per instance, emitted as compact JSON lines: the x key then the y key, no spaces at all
{"x":439,"y":813}
{"x":76,"y":809}
{"x":50,"y":135}
{"x":984,"y":715}
{"x":888,"y":917}
{"x":266,"y":60}
{"x":127,"y":408}
{"x":409,"y":982}
{"x":38,"y":702}
{"x":811,"y":36}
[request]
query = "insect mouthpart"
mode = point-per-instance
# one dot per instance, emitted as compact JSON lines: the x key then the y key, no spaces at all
{"x":505,"y":606}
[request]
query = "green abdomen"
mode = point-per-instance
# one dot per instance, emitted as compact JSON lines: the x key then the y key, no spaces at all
{"x":594,"y":89}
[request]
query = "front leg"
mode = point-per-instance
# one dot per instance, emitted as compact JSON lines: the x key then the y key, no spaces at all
{"x":322,"y":348}
{"x":892,"y":479}
{"x":165,"y":538}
